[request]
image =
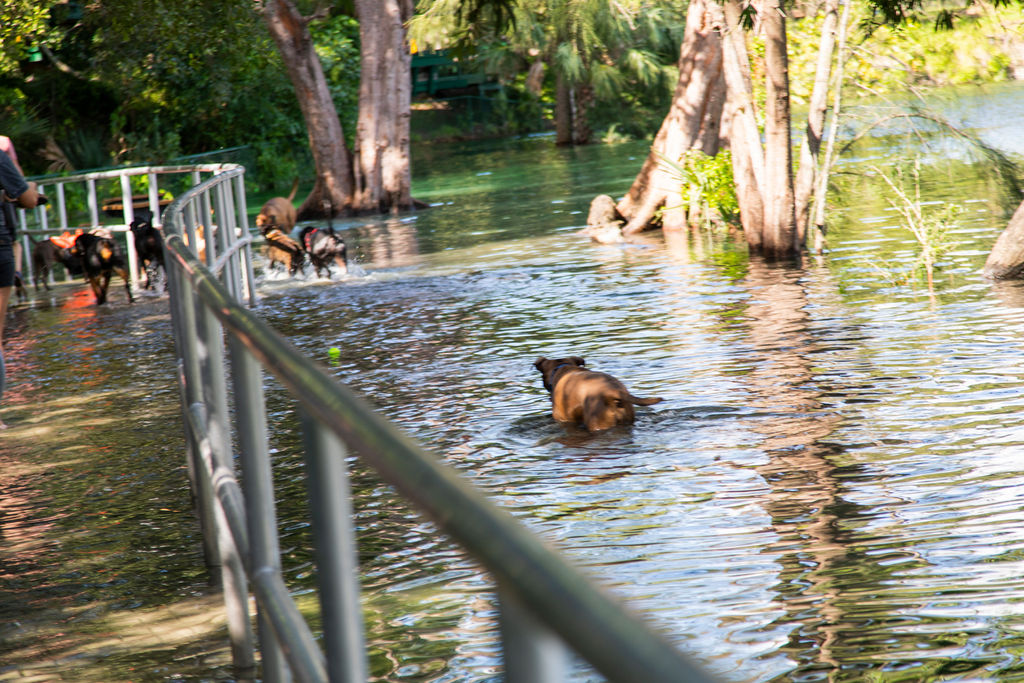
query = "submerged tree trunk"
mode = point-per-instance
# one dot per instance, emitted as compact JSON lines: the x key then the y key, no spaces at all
{"x":808,"y":171}
{"x":382,"y":167}
{"x":1006,"y":260}
{"x":700,"y":68}
{"x":333,"y":184}
{"x":744,"y":136}
{"x":779,"y":206}
{"x":571,"y":105}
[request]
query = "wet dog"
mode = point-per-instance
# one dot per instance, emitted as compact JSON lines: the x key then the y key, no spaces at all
{"x":101,"y":258}
{"x":280,"y":248}
{"x":45,"y":254}
{"x":324,"y":247}
{"x":149,"y":247}
{"x":278,"y":213}
{"x":593,"y":399}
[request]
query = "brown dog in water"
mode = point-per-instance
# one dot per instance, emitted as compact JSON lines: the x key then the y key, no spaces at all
{"x":278,"y":212}
{"x":594,"y":399}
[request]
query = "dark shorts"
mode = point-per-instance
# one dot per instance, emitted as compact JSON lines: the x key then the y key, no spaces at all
{"x":6,"y":266}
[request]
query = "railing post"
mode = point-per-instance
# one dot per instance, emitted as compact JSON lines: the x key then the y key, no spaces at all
{"x":533,"y":654}
{"x":94,"y":211}
{"x":334,"y":543}
{"x":243,"y":222}
{"x":235,"y":586}
{"x":183,"y":320}
{"x":128,"y":209}
{"x":257,"y":482}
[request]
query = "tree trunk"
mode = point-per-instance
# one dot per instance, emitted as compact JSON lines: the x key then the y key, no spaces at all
{"x":779,"y":208}
{"x":808,"y":170}
{"x":700,"y":68}
{"x":383,"y":180}
{"x":744,"y":136}
{"x":1006,"y":260}
{"x":333,"y":185}
{"x":563,"y":112}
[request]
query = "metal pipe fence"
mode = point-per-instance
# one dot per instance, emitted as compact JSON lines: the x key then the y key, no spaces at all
{"x":64,"y":215}
{"x":544,"y":602}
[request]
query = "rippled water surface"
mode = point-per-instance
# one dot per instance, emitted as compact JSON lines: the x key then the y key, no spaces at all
{"x":829,"y":491}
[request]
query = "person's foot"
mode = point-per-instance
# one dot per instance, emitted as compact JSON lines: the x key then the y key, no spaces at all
{"x":2,"y":425}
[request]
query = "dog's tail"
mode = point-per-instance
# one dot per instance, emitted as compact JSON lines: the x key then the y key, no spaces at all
{"x":295,"y":188}
{"x":644,"y":401}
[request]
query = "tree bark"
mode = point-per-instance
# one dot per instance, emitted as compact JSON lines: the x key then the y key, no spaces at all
{"x":779,"y":208}
{"x":563,"y":112}
{"x":744,"y":136}
{"x":334,"y":181}
{"x":383,"y":180}
{"x":808,"y":169}
{"x":700,"y":68}
{"x":1006,"y":260}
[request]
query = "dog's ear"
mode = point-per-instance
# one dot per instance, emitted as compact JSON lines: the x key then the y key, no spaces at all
{"x":578,"y":361}
{"x":539,"y":363}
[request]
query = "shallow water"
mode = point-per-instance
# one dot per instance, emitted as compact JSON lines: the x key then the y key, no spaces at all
{"x":829,"y":490}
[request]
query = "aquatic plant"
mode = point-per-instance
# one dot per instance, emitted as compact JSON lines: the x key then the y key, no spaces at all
{"x":929,"y":223}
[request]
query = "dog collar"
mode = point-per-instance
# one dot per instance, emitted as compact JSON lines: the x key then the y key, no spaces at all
{"x":551,"y":387}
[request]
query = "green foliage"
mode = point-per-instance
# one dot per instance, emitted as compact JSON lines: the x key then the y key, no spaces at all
{"x":709,"y":179}
{"x":624,"y":51}
{"x":930,"y":224}
{"x":337,"y":44}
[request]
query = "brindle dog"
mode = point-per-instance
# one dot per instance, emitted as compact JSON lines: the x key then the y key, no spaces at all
{"x":593,"y":399}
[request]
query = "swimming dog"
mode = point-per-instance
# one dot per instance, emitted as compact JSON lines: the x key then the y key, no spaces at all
{"x":278,"y":212}
{"x":280,"y":248}
{"x":594,"y":399}
{"x":324,"y":247}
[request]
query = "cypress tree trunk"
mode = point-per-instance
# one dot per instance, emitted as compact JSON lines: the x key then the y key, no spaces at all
{"x":808,"y":170}
{"x":700,"y":69}
{"x":333,"y":184}
{"x":381,"y":151}
{"x":1006,"y":260}
{"x":779,"y":206}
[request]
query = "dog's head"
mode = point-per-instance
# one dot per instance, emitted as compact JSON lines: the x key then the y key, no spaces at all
{"x":549,"y":366}
{"x":140,"y":226}
{"x":266,"y":222}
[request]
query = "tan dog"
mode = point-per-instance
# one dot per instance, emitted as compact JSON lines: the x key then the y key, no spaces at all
{"x":594,"y":399}
{"x":278,"y":212}
{"x":284,"y":250}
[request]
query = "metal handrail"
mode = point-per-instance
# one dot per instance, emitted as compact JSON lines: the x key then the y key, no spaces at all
{"x":58,"y":204}
{"x":544,"y":601}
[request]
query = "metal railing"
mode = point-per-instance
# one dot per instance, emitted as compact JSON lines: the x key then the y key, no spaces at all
{"x":56,"y":218}
{"x":544,"y":602}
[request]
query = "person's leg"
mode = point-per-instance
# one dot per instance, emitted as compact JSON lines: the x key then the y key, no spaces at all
{"x":5,"y":296}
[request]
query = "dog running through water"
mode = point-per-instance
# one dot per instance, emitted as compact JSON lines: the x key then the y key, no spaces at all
{"x":595,"y":400}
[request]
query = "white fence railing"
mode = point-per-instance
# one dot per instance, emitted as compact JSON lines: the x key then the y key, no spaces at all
{"x":115,"y":212}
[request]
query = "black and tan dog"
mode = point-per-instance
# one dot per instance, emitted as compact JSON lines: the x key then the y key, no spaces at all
{"x":101,"y":258}
{"x":280,"y":248}
{"x":149,"y":247}
{"x":46,"y":253}
{"x":593,"y":399}
{"x":324,"y":247}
